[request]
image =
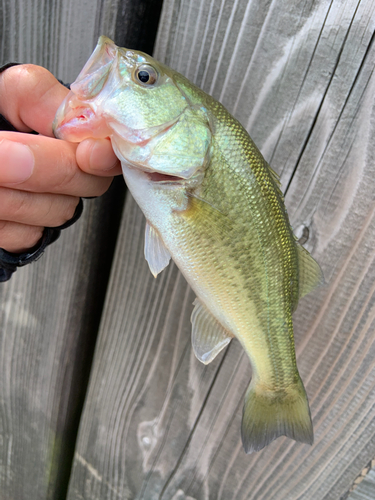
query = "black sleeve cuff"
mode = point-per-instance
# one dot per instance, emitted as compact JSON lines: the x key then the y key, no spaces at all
{"x":10,"y":261}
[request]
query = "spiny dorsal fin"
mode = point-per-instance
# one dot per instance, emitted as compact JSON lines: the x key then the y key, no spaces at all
{"x":276,"y":179}
{"x":156,"y":253}
{"x":208,"y":336}
{"x":310,"y":274}
{"x":275,"y":176}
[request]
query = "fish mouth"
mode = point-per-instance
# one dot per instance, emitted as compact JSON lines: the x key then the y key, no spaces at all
{"x":158,"y":177}
{"x":80,"y":114}
{"x":76,"y":121}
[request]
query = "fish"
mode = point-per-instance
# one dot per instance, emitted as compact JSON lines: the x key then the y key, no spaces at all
{"x":213,"y":205}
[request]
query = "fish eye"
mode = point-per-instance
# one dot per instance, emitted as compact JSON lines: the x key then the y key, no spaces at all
{"x":146,"y":74}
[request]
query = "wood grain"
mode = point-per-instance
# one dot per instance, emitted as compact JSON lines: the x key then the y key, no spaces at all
{"x":49,"y":311}
{"x":157,"y":424}
{"x":364,"y":485}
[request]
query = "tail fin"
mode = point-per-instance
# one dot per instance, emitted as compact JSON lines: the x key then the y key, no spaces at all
{"x":270,"y":414}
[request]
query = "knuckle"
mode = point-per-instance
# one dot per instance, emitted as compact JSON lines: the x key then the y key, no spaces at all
{"x":21,"y":85}
{"x":15,"y":205}
{"x":18,"y":237}
{"x":34,"y":235}
{"x":60,"y":210}
{"x":48,"y":210}
{"x":18,"y":206}
{"x":67,"y":173}
{"x":71,"y":210}
{"x":25,"y":75}
{"x":68,"y":211}
{"x":19,"y":78}
{"x":27,"y":82}
{"x":102,"y":186}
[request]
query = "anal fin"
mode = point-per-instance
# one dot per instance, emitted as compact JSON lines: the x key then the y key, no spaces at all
{"x":156,"y":252}
{"x":208,"y":336}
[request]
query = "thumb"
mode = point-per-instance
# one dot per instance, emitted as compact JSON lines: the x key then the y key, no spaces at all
{"x":96,"y":157}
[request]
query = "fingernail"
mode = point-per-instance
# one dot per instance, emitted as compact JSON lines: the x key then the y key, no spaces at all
{"x":102,"y":156}
{"x":16,"y":162}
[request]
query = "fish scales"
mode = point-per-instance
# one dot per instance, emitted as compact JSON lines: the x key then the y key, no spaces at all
{"x":236,"y":151}
{"x":214,"y":205}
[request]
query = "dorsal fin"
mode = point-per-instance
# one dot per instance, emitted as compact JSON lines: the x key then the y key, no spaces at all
{"x":208,"y":336}
{"x":310,"y":274}
{"x":276,"y":180}
{"x":275,"y":176}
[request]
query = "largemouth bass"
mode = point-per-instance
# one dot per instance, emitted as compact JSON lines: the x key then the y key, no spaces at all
{"x":214,"y":205}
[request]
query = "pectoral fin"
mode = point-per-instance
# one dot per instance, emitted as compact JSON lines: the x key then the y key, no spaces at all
{"x":208,"y":336}
{"x":156,"y":253}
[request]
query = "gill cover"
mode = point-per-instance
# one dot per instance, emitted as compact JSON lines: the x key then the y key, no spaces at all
{"x":179,"y":150}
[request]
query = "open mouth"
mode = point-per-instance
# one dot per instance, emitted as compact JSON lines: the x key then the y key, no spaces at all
{"x":76,"y":121}
{"x":158,"y":177}
{"x":79,"y":114}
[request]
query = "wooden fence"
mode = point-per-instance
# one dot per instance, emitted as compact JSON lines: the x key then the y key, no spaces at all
{"x":101,"y":397}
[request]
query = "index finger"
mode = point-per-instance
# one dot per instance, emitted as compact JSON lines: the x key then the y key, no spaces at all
{"x":46,"y":165}
{"x":30,"y":96}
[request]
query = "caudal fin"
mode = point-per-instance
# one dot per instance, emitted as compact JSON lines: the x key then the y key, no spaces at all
{"x":270,"y":414}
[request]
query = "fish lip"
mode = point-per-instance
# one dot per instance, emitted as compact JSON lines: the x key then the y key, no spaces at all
{"x":77,"y":120}
{"x":79,"y":113}
{"x":71,"y":110}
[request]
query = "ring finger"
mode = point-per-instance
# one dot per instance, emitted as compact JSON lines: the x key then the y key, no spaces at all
{"x":18,"y":238}
{"x":36,"y":209}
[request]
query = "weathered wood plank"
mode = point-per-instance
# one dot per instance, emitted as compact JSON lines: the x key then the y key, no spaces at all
{"x":364,"y":485}
{"x":49,"y":311}
{"x":157,"y":424}
{"x":46,"y":349}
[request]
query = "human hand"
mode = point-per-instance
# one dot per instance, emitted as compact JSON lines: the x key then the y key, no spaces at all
{"x":42,"y":178}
